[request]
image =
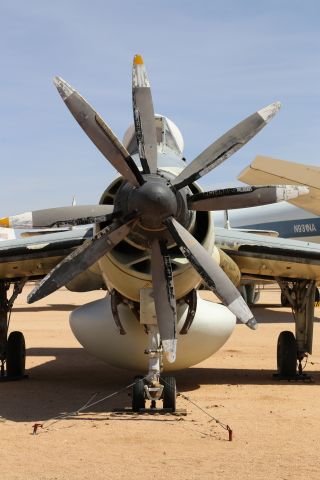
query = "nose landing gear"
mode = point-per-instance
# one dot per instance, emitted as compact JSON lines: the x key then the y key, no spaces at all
{"x":142,"y":391}
{"x":153,"y":387}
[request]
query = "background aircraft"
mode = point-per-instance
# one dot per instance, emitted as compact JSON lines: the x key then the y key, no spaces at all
{"x":298,"y":218}
{"x":152,"y":244}
{"x":273,"y":171}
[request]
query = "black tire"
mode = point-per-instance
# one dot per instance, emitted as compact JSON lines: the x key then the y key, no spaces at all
{"x":256,"y":297}
{"x":169,"y":393}
{"x":287,"y":355}
{"x":250,"y":293}
{"x":16,"y":355}
{"x":243,"y":291}
{"x":138,"y":394}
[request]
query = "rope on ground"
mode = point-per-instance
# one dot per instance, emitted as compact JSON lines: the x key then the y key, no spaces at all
{"x":221,"y":424}
{"x":90,"y":403}
{"x":87,"y":405}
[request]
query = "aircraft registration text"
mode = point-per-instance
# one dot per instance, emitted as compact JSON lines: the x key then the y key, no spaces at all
{"x":304,"y":227}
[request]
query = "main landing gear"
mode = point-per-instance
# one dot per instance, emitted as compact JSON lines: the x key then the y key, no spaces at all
{"x":285,"y":302}
{"x":12,"y":347}
{"x":292,"y":349}
{"x":153,"y":387}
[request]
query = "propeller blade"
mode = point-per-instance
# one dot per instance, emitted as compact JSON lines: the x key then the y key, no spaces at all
{"x":164,"y":298}
{"x":226,"y":145}
{"x":211,"y":272}
{"x":243,"y":197}
{"x":81,"y":259}
{"x":143,"y":115}
{"x":99,"y":132}
{"x":59,"y":217}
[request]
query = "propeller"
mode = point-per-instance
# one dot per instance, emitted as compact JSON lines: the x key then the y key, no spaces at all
{"x":153,"y":209}
{"x":143,"y":115}
{"x":82,"y":258}
{"x":60,"y":217}
{"x":164,"y":297}
{"x":211,"y":272}
{"x":226,"y":145}
{"x":99,"y":132}
{"x":243,"y":197}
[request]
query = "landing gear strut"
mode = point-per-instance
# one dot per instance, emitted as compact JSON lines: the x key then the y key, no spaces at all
{"x":292,"y":349}
{"x":12,"y":348}
{"x":285,"y":302}
{"x":152,"y":387}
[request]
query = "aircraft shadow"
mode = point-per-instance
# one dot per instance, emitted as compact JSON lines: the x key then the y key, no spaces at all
{"x":261,"y":311}
{"x":265,"y":314}
{"x":70,"y":377}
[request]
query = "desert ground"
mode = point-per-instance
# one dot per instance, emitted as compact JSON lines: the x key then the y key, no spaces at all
{"x":275,"y":424}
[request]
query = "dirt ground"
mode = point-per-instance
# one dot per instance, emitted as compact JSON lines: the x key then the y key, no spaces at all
{"x":275,"y":424}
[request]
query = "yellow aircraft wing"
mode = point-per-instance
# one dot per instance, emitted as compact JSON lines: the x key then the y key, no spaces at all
{"x":271,"y":171}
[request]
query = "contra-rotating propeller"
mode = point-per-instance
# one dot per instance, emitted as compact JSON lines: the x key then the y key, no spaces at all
{"x":158,"y":205}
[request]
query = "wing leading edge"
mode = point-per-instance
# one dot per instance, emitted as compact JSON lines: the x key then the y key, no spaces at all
{"x":264,"y":257}
{"x":35,"y":256}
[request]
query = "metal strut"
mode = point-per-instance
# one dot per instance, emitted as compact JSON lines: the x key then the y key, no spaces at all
{"x":115,"y":301}
{"x":191,"y":301}
{"x":301,"y":294}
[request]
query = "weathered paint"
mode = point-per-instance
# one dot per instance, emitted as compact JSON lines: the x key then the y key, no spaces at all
{"x":269,"y":112}
{"x":243,"y":197}
{"x":225,"y":146}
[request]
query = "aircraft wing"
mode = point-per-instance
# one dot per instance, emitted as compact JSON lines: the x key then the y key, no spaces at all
{"x":262,"y":257}
{"x":271,"y":171}
{"x":35,"y":256}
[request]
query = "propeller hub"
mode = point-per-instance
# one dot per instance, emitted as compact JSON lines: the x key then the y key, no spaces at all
{"x":155,"y":201}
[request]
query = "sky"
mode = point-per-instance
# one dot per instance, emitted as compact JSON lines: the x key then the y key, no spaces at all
{"x":210,"y":64}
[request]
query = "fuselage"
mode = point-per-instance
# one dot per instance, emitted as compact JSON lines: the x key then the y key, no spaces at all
{"x":287,"y":220}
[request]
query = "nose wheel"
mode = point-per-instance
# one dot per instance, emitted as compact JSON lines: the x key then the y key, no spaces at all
{"x":143,"y":391}
{"x":169,"y":394}
{"x":138,"y":394}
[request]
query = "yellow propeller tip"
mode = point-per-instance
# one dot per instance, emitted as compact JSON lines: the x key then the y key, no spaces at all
{"x":138,"y":60}
{"x":4,"y":222}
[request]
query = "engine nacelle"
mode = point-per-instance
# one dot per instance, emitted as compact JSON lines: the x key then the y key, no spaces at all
{"x":127,"y":268}
{"x":229,"y":266}
{"x":94,"y":327}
